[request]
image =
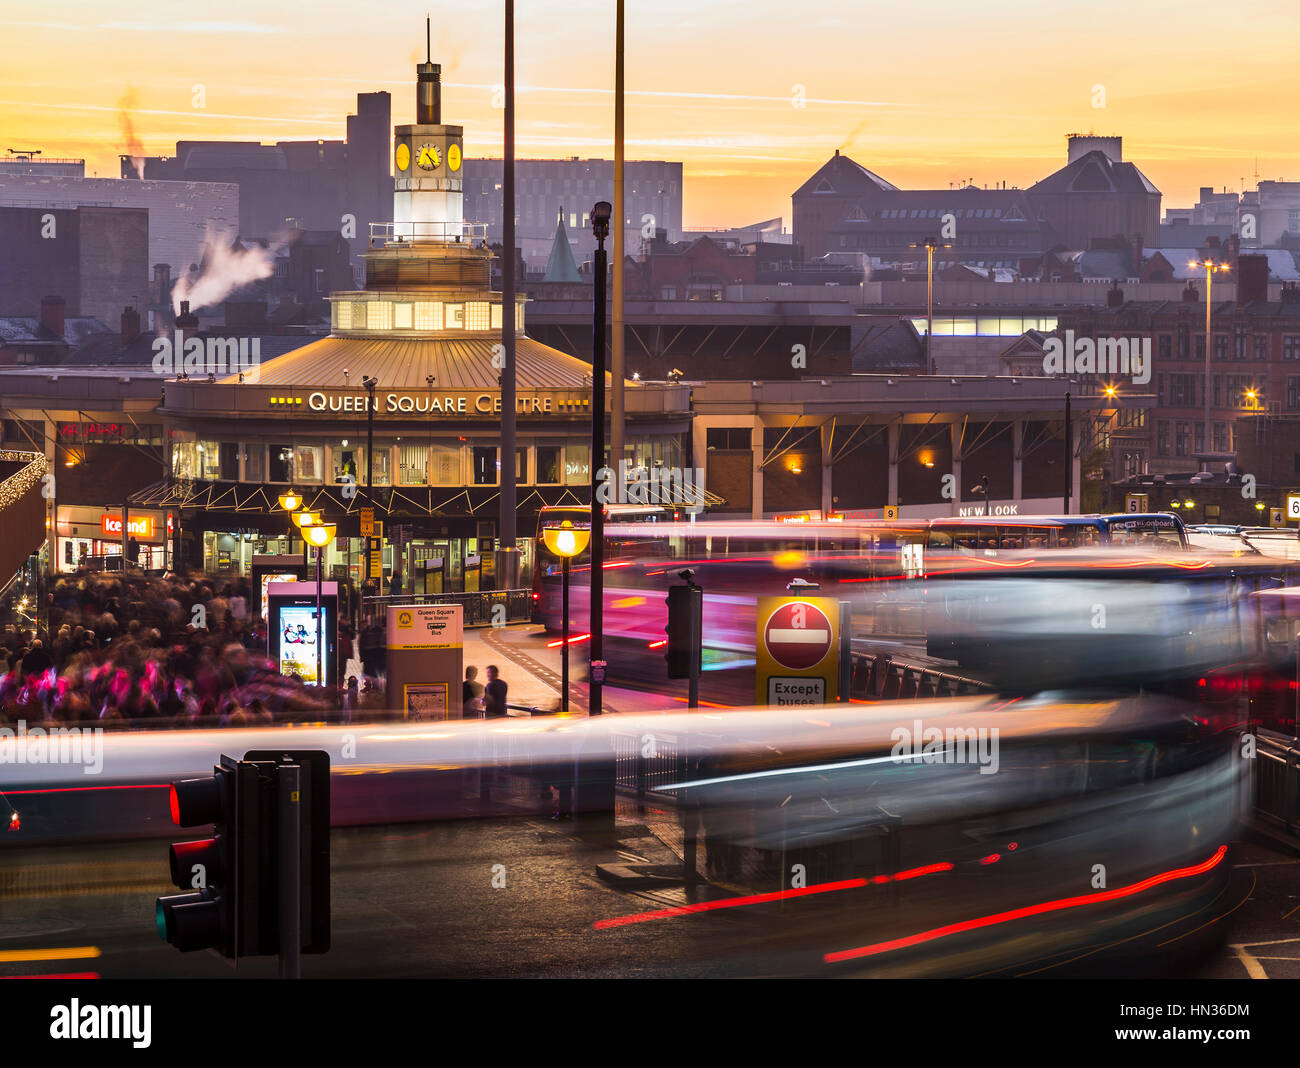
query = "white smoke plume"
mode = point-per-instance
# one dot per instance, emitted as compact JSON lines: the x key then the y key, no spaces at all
{"x":134,"y":147}
{"x":225,"y":269}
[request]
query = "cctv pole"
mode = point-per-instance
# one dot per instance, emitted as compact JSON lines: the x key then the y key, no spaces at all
{"x":508,"y":575}
{"x":1069,"y":459}
{"x":600,"y":229}
{"x":616,"y":413}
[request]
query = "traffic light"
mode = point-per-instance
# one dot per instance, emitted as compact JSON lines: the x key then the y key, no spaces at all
{"x":236,"y":877}
{"x":685,"y":631}
{"x":223,"y":872}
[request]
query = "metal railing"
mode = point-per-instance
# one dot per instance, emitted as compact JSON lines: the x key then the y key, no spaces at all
{"x":1277,"y":784}
{"x":384,"y":234}
{"x":480,"y":608}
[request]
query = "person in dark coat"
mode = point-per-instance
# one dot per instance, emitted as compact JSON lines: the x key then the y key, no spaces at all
{"x":494,"y":697}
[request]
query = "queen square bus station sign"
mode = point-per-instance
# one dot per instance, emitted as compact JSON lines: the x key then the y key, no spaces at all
{"x":797,"y":651}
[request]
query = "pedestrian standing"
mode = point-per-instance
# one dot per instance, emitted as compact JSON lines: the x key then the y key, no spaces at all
{"x":494,"y":698}
{"x":470,"y":692}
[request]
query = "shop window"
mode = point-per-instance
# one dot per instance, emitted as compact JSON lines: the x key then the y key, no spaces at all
{"x":428,"y":315}
{"x":727,"y":437}
{"x":577,"y":466}
{"x":412,"y":465}
{"x":280,"y":464}
{"x":343,"y":315}
{"x":549,"y":465}
{"x":485,"y":465}
{"x":229,"y":461}
{"x":478,"y":315}
{"x":253,"y":460}
{"x":347,"y":462}
{"x":209,"y":459}
{"x":444,"y":465}
{"x":308,"y":463}
{"x":379,"y":315}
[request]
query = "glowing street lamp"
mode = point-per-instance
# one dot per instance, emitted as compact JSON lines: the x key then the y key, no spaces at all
{"x":290,"y":502}
{"x":1211,"y":266}
{"x":307,"y":518}
{"x":319,"y":534}
{"x":565,"y":541}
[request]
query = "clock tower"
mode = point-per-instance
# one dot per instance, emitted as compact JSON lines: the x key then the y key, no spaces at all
{"x":427,"y":202}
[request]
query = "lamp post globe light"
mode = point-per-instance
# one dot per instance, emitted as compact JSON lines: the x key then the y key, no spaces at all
{"x":290,"y":501}
{"x":320,"y":535}
{"x":565,"y":541}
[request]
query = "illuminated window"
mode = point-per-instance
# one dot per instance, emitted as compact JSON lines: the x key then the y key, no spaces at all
{"x":519,"y":317}
{"x":403,"y":316}
{"x":379,"y":315}
{"x":343,"y":315}
{"x":428,"y":315}
{"x":477,"y":315}
{"x":455,"y":317}
{"x":496,"y":316}
{"x":358,"y":315}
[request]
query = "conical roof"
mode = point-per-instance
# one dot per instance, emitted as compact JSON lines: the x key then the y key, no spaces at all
{"x":560,"y":266}
{"x":404,"y":363}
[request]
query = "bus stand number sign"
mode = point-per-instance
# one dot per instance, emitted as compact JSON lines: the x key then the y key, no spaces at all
{"x":798,"y":651}
{"x":1293,"y":506}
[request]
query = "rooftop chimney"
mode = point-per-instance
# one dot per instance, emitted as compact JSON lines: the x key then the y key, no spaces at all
{"x":1190,"y":295}
{"x":53,"y":310}
{"x":1290,"y":294}
{"x":187,"y":321}
{"x":1114,"y":295}
{"x":130,"y":325}
{"x":162,"y":277}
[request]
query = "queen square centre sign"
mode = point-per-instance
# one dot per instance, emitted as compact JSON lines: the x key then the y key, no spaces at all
{"x":433,"y":404}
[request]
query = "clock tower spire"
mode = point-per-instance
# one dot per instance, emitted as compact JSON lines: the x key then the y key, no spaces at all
{"x":427,"y":157}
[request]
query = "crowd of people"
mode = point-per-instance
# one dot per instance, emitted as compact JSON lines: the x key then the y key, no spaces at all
{"x":126,"y":650}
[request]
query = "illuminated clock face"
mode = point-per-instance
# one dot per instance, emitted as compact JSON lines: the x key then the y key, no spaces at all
{"x":403,"y":156}
{"x":428,"y":157}
{"x":453,"y":156}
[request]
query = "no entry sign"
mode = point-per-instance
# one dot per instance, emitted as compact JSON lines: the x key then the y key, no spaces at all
{"x":798,"y":635}
{"x":797,"y":655}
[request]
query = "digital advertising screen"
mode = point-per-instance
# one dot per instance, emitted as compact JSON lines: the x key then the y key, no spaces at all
{"x":291,"y":631}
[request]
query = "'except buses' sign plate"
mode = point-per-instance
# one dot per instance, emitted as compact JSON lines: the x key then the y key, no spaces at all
{"x":797,"y":650}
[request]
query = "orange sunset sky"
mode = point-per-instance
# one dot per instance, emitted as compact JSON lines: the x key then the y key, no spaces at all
{"x":925,"y":95}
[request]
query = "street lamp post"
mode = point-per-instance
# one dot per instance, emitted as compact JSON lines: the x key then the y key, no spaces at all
{"x":565,"y":541}
{"x":929,"y":244}
{"x":600,"y":214}
{"x":1211,"y":266}
{"x":320,"y":535}
{"x":370,"y":382}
